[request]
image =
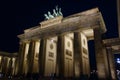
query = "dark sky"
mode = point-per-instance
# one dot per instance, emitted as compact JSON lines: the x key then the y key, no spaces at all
{"x":22,"y":14}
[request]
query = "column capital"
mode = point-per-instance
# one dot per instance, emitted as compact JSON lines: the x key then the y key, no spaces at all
{"x":97,"y":30}
{"x":34,"y":40}
{"x":24,"y":41}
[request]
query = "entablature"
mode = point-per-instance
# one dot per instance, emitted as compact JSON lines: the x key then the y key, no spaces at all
{"x":77,"y":22}
{"x":113,"y":43}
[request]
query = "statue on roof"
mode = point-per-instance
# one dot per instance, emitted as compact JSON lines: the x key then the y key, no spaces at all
{"x":50,"y":15}
{"x":46,"y":17}
{"x":59,"y":12}
{"x":56,"y":12}
{"x":56,"y":8}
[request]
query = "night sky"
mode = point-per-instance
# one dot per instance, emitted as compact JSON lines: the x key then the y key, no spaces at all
{"x":23,"y":14}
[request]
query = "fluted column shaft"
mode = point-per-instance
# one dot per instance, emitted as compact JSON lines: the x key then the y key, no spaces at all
{"x":42,"y":49}
{"x":60,"y":56}
{"x":111,"y":63}
{"x":65,"y":59}
{"x":31,"y":56}
{"x":21,"y":57}
{"x":101,"y":56}
{"x":81,"y":55}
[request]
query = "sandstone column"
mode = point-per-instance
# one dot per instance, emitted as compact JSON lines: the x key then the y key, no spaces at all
{"x":77,"y":55}
{"x":82,"y":67}
{"x":16,"y":66}
{"x":36,"y":57}
{"x":65,"y":59}
{"x":42,"y":56}
{"x":60,"y":56}
{"x":5,"y":66}
{"x":30,"y":57}
{"x":48,"y":53}
{"x":111,"y":63}
{"x":10,"y":69}
{"x":13,"y":66}
{"x":21,"y":57}
{"x":101,"y":57}
{"x":0,"y":63}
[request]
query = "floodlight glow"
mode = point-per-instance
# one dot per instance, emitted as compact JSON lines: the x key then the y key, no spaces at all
{"x":118,"y":60}
{"x":52,"y":40}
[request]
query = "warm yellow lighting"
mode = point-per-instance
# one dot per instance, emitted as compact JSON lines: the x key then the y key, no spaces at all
{"x":88,"y":33}
{"x":0,"y":58}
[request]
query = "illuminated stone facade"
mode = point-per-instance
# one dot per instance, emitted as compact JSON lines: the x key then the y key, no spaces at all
{"x":112,"y":46}
{"x":8,"y":63}
{"x":60,"y":46}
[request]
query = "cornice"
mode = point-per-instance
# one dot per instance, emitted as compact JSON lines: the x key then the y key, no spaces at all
{"x":76,"y":22}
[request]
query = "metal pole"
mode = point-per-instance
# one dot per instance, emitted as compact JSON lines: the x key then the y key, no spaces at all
{"x":118,"y":13}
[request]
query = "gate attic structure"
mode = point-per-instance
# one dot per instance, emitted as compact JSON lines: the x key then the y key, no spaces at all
{"x":60,"y":46}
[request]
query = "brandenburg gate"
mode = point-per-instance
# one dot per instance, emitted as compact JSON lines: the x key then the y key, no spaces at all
{"x":60,"y":46}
